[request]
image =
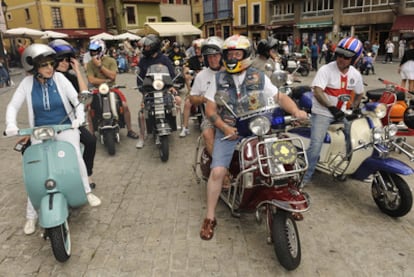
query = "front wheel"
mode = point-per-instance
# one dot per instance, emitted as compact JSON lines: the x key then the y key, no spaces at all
{"x":109,"y":141}
{"x":60,"y":239}
{"x":304,"y":72}
{"x":286,"y":240}
{"x":164,"y":148}
{"x":391,"y":194}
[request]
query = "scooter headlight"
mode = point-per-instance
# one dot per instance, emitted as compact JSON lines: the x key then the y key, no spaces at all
{"x":158,"y":84}
{"x":260,"y":126}
{"x":50,"y":184}
{"x":43,"y":133}
{"x":378,"y":133}
{"x":381,"y":110}
{"x":391,"y":130}
{"x":104,"y":89}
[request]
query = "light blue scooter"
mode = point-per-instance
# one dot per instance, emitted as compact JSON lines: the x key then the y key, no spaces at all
{"x":53,"y":183}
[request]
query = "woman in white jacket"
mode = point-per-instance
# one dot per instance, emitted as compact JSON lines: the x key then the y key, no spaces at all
{"x":49,"y":96}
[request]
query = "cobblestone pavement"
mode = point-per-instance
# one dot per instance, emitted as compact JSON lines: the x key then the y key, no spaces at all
{"x":151,"y":213}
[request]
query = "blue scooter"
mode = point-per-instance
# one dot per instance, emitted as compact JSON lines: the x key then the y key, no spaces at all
{"x":365,"y":154}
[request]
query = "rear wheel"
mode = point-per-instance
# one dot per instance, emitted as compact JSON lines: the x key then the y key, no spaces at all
{"x":304,"y":72}
{"x":164,"y":148}
{"x":109,"y":141}
{"x":60,"y":240}
{"x":286,"y":240}
{"x":396,"y":200}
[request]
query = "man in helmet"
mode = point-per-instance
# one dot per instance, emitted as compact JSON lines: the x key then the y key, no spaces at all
{"x":266,"y":50}
{"x":176,"y":54}
{"x":239,"y":81}
{"x":212,"y":52}
{"x":50,"y":97}
{"x":151,"y":50}
{"x":68,"y":65}
{"x":102,"y":69}
{"x":333,"y":79}
{"x":195,"y":63}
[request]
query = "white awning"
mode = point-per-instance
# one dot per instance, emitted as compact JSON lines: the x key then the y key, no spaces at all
{"x":169,"y":29}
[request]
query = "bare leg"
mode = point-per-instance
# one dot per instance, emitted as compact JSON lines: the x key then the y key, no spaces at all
{"x":127,"y":116}
{"x":208,"y":135}
{"x":214,"y":184}
{"x":186,"y":113}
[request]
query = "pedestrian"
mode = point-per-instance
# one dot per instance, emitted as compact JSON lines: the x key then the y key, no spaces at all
{"x":389,"y":50}
{"x":323,"y":51}
{"x":50,"y":98}
{"x":68,"y":65}
{"x":237,"y":58}
{"x":375,"y":47}
{"x":314,"y":55}
{"x":103,"y":69}
{"x":401,"y":48}
{"x":406,"y":68}
{"x":331,"y":80}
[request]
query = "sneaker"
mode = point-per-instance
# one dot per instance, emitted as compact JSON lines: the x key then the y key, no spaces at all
{"x":30,"y":226}
{"x":140,"y":143}
{"x":184,"y":132}
{"x":93,"y":200}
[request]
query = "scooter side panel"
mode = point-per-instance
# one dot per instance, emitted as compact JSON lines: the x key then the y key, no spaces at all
{"x":372,"y":165}
{"x":58,"y":161}
{"x":53,"y":210}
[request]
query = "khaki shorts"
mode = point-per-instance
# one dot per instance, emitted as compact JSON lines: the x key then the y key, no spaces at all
{"x":206,"y":124}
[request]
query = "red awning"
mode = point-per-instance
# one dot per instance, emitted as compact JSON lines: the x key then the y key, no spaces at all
{"x":404,"y":24}
{"x":80,"y":33}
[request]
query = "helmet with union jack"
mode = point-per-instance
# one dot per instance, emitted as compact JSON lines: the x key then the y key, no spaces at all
{"x":237,"y":42}
{"x":350,"y":47}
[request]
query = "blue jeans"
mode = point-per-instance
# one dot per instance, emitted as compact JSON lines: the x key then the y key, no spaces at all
{"x":320,"y":125}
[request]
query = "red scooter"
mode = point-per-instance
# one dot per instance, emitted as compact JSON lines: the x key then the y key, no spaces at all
{"x":266,"y":172}
{"x":400,"y":111}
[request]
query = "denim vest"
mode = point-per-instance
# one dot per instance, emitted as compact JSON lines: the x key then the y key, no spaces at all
{"x":246,"y":97}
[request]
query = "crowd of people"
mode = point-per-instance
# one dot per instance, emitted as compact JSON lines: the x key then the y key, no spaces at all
{"x":55,"y":68}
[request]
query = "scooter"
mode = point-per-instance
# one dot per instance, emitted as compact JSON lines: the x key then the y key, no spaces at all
{"x":365,"y":156}
{"x":160,"y":108}
{"x":399,"y":107}
{"x":266,"y":172}
{"x":53,"y":183}
{"x":296,"y":62}
{"x":107,"y":116}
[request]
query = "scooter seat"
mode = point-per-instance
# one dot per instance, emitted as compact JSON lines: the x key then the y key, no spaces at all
{"x":375,"y":94}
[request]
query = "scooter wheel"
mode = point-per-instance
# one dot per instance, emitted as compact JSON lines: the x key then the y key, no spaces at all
{"x":92,"y":185}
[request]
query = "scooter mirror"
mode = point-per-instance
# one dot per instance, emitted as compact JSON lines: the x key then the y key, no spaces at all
{"x":85,"y":97}
{"x":268,"y":67}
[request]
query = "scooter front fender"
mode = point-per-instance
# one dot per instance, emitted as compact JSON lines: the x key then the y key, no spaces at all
{"x":391,"y":165}
{"x":53,"y":210}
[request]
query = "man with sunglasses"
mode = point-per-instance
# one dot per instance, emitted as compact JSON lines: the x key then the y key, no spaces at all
{"x":333,"y":79}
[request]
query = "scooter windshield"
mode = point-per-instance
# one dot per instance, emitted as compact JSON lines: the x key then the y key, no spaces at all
{"x":255,"y":102}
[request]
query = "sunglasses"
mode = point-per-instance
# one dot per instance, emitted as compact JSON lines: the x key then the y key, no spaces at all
{"x":46,"y":64}
{"x":66,"y":59}
{"x":343,"y":56}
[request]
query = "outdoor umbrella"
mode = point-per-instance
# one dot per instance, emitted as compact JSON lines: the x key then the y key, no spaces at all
{"x":127,"y":35}
{"x":104,"y":36}
{"x":53,"y":34}
{"x":23,"y":32}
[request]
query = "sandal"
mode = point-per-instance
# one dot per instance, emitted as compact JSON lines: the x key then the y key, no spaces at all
{"x":132,"y":134}
{"x":207,"y":230}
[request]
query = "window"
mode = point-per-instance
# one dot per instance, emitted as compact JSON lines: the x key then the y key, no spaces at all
{"x":171,"y":2}
{"x":112,"y":21}
{"x":226,"y":31}
{"x":364,"y":6}
{"x":57,"y":18}
{"x":197,"y":18}
{"x":79,"y":1}
{"x":185,"y":2}
{"x":81,"y":17}
{"x":131,"y":18}
{"x":211,"y":31}
{"x":27,"y":15}
{"x":317,"y":7}
{"x":151,"y":19}
{"x":283,"y":10}
{"x":256,"y":14}
{"x":243,"y":16}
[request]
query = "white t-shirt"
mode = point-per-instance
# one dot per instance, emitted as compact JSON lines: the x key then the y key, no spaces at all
{"x":334,"y":83}
{"x":269,"y":88}
{"x":203,"y":81}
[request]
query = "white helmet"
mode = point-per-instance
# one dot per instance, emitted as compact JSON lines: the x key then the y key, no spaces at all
{"x":34,"y":54}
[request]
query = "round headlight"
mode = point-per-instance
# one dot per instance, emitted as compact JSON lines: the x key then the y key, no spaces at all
{"x":50,"y":184}
{"x":381,"y":110}
{"x":259,"y":126}
{"x":104,"y":88}
{"x":392,"y":130}
{"x":158,"y":85}
{"x":378,"y":133}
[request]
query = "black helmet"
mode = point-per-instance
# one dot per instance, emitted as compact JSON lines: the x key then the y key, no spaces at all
{"x":62,"y":48}
{"x":264,"y":46}
{"x":212,"y":45}
{"x":155,"y":45}
{"x":176,"y":45}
